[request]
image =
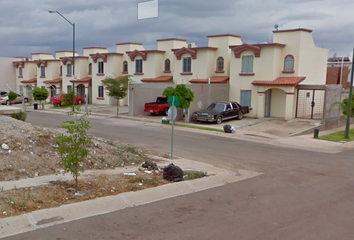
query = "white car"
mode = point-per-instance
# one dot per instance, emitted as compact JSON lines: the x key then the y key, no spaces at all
{"x":4,"y":99}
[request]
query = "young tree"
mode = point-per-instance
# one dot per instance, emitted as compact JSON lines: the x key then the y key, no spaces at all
{"x":343,"y":106}
{"x":117,"y":88}
{"x":40,"y":94}
{"x":73,"y":145}
{"x":184,"y":94}
{"x":67,"y":99}
{"x":12,"y":96}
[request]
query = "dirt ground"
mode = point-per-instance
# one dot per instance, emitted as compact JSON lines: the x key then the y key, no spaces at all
{"x":28,"y":151}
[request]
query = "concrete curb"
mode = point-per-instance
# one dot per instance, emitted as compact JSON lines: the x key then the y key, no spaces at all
{"x":66,"y":213}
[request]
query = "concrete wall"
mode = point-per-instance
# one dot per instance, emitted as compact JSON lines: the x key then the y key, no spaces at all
{"x":205,"y":94}
{"x":140,"y":93}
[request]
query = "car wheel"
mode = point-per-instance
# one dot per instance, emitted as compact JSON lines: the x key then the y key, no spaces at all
{"x":7,"y":102}
{"x":25,"y":100}
{"x":165,"y":111}
{"x":240,"y":116}
{"x":218,"y":119}
{"x":79,"y":102}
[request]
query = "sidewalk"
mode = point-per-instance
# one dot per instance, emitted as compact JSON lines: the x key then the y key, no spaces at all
{"x":47,"y":217}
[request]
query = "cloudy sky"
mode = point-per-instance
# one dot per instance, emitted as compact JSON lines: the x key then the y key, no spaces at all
{"x":27,"y":27}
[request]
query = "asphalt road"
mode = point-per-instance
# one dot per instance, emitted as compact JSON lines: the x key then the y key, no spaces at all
{"x":301,"y":195}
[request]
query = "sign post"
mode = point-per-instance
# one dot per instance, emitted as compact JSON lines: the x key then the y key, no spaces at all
{"x":173,"y":102}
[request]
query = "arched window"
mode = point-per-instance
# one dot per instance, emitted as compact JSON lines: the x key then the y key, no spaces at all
{"x":167,"y":65}
{"x":125,"y":66}
{"x":220,"y":64}
{"x":90,"y":68}
{"x":289,"y":63}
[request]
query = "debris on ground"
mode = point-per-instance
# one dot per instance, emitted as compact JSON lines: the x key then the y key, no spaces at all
{"x":172,"y":173}
{"x":29,"y":151}
{"x":229,"y":129}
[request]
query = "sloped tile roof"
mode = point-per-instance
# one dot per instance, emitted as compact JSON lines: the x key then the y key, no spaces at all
{"x":58,"y":80}
{"x":281,"y":81}
{"x":83,"y":80}
{"x":214,"y":79}
{"x":158,"y":79}
{"x":33,"y":80}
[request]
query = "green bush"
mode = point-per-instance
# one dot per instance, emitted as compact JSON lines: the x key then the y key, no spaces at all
{"x":19,"y":115}
{"x":67,"y":99}
{"x":12,"y":96}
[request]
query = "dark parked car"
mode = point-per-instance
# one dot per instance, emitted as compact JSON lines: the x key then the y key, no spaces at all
{"x":220,"y":111}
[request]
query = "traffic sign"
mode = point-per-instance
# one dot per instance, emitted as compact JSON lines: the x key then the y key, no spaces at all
{"x":74,"y":77}
{"x":172,"y":113}
{"x":174,"y":102}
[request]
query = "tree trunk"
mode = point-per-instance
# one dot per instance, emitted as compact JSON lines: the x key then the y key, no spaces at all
{"x":117,"y":107}
{"x":76,"y":185}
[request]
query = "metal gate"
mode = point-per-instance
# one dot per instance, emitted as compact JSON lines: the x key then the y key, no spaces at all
{"x":310,"y":103}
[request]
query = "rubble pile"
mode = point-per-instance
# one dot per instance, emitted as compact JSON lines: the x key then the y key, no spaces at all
{"x":27,"y":150}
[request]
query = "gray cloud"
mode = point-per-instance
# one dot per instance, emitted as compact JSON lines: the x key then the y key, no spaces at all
{"x":27,"y":27}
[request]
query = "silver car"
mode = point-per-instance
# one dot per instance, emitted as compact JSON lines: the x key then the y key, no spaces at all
{"x":4,"y":99}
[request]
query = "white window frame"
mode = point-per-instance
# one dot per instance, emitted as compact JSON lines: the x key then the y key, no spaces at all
{"x":247,"y":64}
{"x":187,"y":65}
{"x":139,"y":66}
{"x":100,"y":67}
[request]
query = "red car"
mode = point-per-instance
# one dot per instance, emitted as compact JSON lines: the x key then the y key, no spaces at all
{"x":56,"y":100}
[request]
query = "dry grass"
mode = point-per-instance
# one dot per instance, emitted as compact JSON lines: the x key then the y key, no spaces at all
{"x":22,"y":200}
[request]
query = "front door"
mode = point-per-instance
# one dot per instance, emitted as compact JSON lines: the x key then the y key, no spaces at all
{"x":268,"y":100}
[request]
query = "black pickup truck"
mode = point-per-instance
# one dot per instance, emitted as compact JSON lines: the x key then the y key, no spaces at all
{"x":219,"y":111}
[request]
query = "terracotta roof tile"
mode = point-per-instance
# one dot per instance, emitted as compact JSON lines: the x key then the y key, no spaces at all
{"x":158,"y":79}
{"x":83,"y":80}
{"x":58,"y":80}
{"x":214,"y":79}
{"x":281,"y":81}
{"x":118,"y":78}
{"x":33,"y":80}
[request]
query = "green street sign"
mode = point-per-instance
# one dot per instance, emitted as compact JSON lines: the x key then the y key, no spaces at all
{"x":176,"y":102}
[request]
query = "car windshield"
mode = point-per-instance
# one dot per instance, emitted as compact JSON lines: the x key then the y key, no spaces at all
{"x":216,"y":106}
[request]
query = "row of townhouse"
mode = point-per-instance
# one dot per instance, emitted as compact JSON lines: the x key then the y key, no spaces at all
{"x":264,"y":76}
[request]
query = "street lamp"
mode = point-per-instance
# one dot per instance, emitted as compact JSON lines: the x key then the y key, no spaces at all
{"x":349,"y":111}
{"x":73,"y":63}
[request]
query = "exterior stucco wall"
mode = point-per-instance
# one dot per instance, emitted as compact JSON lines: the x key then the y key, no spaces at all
{"x":278,"y":103}
{"x":223,"y":43}
{"x":8,"y":74}
{"x":41,"y":56}
{"x":123,"y":48}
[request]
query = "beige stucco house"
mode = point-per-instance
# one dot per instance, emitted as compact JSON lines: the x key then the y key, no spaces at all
{"x":266,"y":76}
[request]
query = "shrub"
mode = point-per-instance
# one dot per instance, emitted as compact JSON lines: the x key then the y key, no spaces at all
{"x":21,"y":115}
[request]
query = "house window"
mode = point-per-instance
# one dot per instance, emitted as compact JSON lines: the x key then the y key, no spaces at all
{"x":42,"y":71}
{"x":100,"y":91}
{"x":247,"y":64}
{"x":138,"y":65}
{"x":167,"y":65}
{"x":187,"y":65}
{"x":61,"y":71}
{"x":21,"y":90}
{"x":246,"y":98}
{"x":90,"y":68}
{"x":100,"y":67}
{"x":68,"y":87}
{"x":289,"y":63}
{"x":20,"y":72}
{"x":68,"y":69}
{"x":220,"y":64}
{"x":125,"y":66}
